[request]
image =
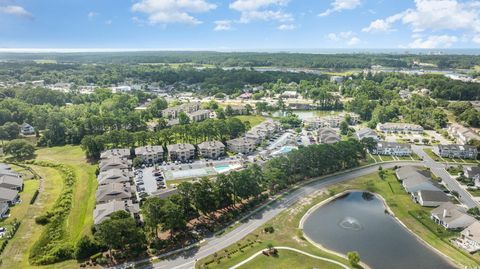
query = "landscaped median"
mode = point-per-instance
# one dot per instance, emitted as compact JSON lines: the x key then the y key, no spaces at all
{"x":286,"y":231}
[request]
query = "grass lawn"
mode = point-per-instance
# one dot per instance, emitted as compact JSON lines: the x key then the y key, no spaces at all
{"x":432,"y":155}
{"x":80,"y":219}
{"x":474,"y":192}
{"x":16,"y":253}
{"x":286,"y":233}
{"x":253,"y":119}
{"x":287,"y":260}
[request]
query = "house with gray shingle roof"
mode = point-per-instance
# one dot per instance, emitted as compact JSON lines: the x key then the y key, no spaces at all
{"x":452,"y":216}
{"x":103,"y":211}
{"x":8,"y":196}
{"x":430,"y":198}
{"x":11,"y":182}
{"x":114,"y":191}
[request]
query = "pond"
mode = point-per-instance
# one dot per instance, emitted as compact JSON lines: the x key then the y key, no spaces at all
{"x":357,"y":222}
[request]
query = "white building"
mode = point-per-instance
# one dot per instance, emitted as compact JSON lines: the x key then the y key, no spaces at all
{"x":451,"y":216}
{"x":462,"y":134}
{"x":457,"y":151}
{"x":367,"y":133}
{"x":391,"y":127}
{"x":393,"y":148}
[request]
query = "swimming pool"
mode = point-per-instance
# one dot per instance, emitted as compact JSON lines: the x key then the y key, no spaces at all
{"x":223,"y":168}
{"x":284,"y":150}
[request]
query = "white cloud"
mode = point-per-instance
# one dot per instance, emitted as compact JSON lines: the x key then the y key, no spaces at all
{"x":91,"y":15}
{"x":339,"y":5}
{"x":349,"y":38}
{"x":261,"y":10}
{"x":434,"y":41}
{"x":172,"y":11}
{"x":286,"y":27}
{"x":15,"y":10}
{"x":108,"y":22}
{"x":223,"y":25}
{"x":435,"y":16}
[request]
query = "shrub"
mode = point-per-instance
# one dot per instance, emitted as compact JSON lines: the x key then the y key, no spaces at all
{"x":42,"y":219}
{"x":353,"y":258}
{"x":269,"y":229}
{"x":34,"y":197}
{"x":86,"y":247}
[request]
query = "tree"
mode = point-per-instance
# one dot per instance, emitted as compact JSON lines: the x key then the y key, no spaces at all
{"x":229,"y":111}
{"x":183,"y":118}
{"x":93,"y":146}
{"x":120,"y":231}
{"x":19,"y":149}
{"x":137,"y":162}
{"x":152,"y":212}
{"x":86,"y":247}
{"x":353,"y":258}
{"x":344,"y":127}
{"x":369,"y":143}
{"x":156,"y":106}
{"x":11,"y":130}
{"x":173,"y":217}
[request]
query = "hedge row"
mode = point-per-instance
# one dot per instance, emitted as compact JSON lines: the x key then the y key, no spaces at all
{"x":9,"y":235}
{"x":34,"y":197}
{"x":53,"y":245}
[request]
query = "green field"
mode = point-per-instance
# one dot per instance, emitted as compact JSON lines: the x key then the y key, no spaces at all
{"x":51,"y":185}
{"x":253,"y":119}
{"x":415,"y":217}
{"x":287,"y":260}
{"x":81,"y":216}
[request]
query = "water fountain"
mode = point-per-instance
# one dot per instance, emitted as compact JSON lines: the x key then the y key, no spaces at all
{"x":350,"y":223}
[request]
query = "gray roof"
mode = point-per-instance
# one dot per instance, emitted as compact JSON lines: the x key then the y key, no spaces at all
{"x":8,"y":195}
{"x":211,"y":145}
{"x":385,"y":144}
{"x":433,"y":196}
{"x":458,"y":147}
{"x":9,"y":180}
{"x":199,"y":112}
{"x":103,"y":211}
{"x":113,"y":191}
{"x":410,"y":171}
{"x":180,"y":147}
{"x":472,"y":171}
{"x":366,"y":132}
{"x":122,"y":153}
{"x":112,"y":176}
{"x":114,"y":163}
{"x":455,"y":216}
{"x":148,"y":150}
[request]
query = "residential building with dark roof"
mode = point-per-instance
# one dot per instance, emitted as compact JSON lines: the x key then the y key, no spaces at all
{"x":181,"y":152}
{"x":150,"y":154}
{"x":458,"y":151}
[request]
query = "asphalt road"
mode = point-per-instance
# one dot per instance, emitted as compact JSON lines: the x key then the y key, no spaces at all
{"x":439,"y":170}
{"x":214,"y":244}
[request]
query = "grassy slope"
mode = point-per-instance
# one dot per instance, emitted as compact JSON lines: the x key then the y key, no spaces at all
{"x":253,"y":119}
{"x":17,"y":251}
{"x":287,"y":260}
{"x":81,"y":217}
{"x":287,"y":234}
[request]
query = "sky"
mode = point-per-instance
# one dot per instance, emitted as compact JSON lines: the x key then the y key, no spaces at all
{"x":238,"y":24}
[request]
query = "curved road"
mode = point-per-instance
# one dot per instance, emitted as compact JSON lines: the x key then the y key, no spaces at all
{"x":187,"y":259}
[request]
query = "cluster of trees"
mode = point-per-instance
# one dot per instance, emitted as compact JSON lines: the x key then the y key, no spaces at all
{"x":376,"y":99}
{"x":194,"y":133}
{"x":466,"y":113}
{"x":335,"y":61}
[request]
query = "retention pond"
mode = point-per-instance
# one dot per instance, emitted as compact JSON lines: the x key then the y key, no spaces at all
{"x":357,"y":221}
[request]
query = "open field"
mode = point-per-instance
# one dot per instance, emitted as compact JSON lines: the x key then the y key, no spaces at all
{"x":415,"y":217}
{"x":17,"y":251}
{"x":81,"y":217}
{"x":253,"y":119}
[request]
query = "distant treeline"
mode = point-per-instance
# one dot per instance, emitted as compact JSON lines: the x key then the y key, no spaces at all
{"x":248,"y":59}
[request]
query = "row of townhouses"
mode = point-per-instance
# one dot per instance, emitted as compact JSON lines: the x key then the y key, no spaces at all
{"x":115,"y":191}
{"x":332,"y":121}
{"x":390,"y":127}
{"x":11,"y":183}
{"x":253,"y":137}
{"x":462,"y":134}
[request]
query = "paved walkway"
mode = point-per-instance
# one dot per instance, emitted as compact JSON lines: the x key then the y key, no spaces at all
{"x":294,"y":250}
